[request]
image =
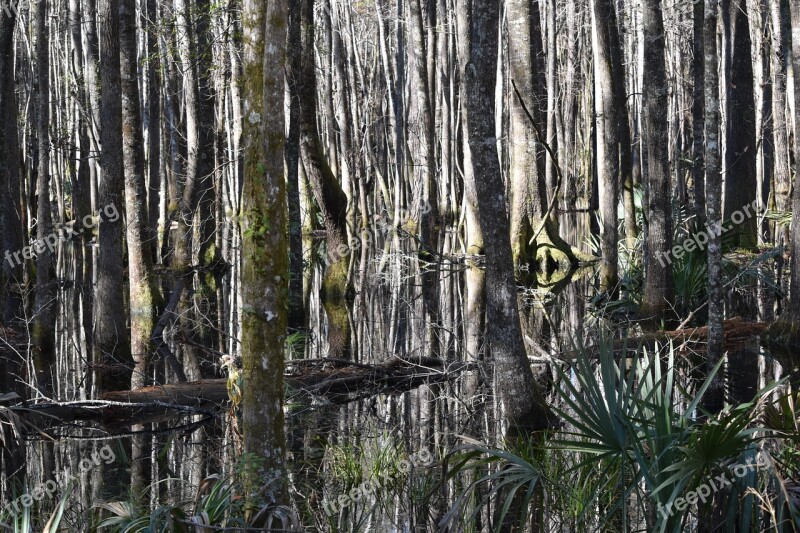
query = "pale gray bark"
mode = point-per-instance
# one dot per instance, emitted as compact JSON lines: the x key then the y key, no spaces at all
{"x":716,"y":304}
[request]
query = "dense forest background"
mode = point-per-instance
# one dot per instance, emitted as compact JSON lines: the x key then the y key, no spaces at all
{"x":256,"y":254}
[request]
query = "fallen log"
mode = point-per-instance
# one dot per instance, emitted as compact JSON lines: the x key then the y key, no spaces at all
{"x":737,"y":334}
{"x":319,"y":382}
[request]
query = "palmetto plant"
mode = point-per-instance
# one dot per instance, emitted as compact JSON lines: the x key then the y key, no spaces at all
{"x":639,"y":439}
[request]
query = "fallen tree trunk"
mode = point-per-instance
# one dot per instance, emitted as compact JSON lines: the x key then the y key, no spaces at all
{"x":315,"y":380}
{"x":736,"y":334}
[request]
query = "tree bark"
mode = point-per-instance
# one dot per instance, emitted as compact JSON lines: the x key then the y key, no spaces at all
{"x":659,"y":292}
{"x":330,"y":197}
{"x":698,"y":112}
{"x":716,"y":304}
{"x":265,"y":269}
{"x":44,"y":335}
{"x":525,"y":407}
{"x":10,"y":170}
{"x":741,"y":148}
{"x":141,"y":280}
{"x":613,"y":133}
{"x":794,"y":288}
{"x":527,"y":179}
{"x":112,"y":342}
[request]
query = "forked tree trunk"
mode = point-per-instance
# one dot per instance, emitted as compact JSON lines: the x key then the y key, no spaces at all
{"x":528,"y":184}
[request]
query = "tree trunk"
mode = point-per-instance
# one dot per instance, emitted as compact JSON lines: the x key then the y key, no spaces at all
{"x":794,"y":289}
{"x":112,"y":344}
{"x":10,"y":170}
{"x":44,"y":334}
{"x":328,"y":193}
{"x":659,"y":293}
{"x":698,"y":113}
{"x":741,"y":148}
{"x":781,"y":44}
{"x":528,"y":185}
{"x":141,"y":280}
{"x":525,"y":407}
{"x":293,"y":66}
{"x":716,"y":304}
{"x":613,"y":133}
{"x":265,"y":269}
{"x":144,"y":296}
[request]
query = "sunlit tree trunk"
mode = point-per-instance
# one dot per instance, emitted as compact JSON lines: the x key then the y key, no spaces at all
{"x":613,"y":135}
{"x":781,"y":48}
{"x":528,"y":184}
{"x":265,"y":269}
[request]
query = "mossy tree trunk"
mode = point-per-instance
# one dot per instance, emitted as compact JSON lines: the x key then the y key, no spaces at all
{"x":527,"y":172}
{"x":144,"y":295}
{"x":328,"y":192}
{"x":265,"y":256}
